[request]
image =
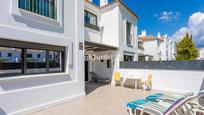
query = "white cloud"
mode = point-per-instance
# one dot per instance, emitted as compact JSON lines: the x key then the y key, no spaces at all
{"x":195,"y":27}
{"x":166,"y":16}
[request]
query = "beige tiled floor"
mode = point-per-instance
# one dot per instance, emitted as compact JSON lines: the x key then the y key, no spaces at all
{"x":101,"y":100}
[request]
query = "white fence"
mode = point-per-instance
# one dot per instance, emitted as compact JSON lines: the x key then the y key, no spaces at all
{"x":169,"y":80}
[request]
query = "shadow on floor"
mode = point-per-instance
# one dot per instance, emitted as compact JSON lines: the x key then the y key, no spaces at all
{"x":90,"y":87}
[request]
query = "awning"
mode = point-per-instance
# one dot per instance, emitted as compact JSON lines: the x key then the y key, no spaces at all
{"x":90,"y":46}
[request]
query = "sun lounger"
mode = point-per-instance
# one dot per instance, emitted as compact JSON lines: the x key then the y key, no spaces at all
{"x":159,"y":106}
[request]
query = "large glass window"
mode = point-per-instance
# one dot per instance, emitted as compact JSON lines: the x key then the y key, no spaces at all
{"x":46,"y":8}
{"x":90,"y":18}
{"x":128,"y":34}
{"x":34,"y":63}
{"x":30,"y":58}
{"x":10,"y":61}
{"x":55,"y":61}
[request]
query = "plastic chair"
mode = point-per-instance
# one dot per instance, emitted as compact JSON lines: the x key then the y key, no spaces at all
{"x":147,"y":84}
{"x":117,"y":78}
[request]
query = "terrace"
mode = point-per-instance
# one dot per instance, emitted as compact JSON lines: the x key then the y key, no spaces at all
{"x":100,"y":100}
{"x":105,"y":99}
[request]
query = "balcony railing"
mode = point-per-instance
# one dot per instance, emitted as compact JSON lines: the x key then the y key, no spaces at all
{"x":88,"y":25}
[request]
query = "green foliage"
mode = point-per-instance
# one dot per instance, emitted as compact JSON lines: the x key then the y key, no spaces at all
{"x":186,"y":49}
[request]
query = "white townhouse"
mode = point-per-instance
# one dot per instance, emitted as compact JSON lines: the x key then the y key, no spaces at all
{"x":41,"y":54}
{"x":156,"y":48}
{"x":201,"y":53}
{"x":110,"y":37}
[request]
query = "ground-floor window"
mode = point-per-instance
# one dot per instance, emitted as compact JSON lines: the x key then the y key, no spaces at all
{"x":10,"y":64}
{"x":34,"y":63}
{"x":128,"y":58}
{"x":18,"y":58}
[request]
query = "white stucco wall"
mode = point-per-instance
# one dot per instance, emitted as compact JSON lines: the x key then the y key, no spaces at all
{"x":201,"y":52}
{"x":170,"y":80}
{"x":110,"y":26}
{"x":160,"y":49}
{"x":124,"y":17}
{"x":164,"y":49}
{"x":150,"y":48}
{"x":92,"y":35}
{"x":22,"y":94}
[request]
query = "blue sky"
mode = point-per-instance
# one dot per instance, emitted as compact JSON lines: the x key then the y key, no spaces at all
{"x":166,"y":16}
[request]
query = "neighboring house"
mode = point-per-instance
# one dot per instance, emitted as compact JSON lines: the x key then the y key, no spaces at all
{"x":156,"y":48}
{"x":40,"y":60}
{"x":201,"y":54}
{"x":110,"y":30}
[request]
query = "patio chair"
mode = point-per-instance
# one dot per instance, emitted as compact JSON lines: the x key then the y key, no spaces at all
{"x":147,"y":84}
{"x":95,"y":78}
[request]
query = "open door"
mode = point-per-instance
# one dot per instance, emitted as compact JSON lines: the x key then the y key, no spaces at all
{"x":86,"y":70}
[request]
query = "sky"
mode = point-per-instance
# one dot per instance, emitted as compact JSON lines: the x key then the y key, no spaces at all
{"x":172,"y":17}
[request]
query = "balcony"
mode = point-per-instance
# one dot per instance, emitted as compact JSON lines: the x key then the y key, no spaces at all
{"x":92,"y":33}
{"x":91,"y":26}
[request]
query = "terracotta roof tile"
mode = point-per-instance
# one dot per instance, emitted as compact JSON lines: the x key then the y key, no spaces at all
{"x":151,"y":37}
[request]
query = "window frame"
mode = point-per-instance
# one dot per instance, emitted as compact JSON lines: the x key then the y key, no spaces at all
{"x":27,"y":45}
{"x":45,"y":7}
{"x":27,"y":15}
{"x":88,"y":24}
{"x":96,"y":17}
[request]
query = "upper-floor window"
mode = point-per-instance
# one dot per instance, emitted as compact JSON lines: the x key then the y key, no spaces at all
{"x":90,"y":18}
{"x":47,"y":8}
{"x":128,"y":34}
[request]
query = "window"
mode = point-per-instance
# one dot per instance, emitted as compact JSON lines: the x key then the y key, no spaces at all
{"x":55,"y":61}
{"x":29,"y":55}
{"x":128,"y":58}
{"x":47,"y":8}
{"x":128,"y":34}
{"x":90,"y":18}
{"x":39,"y":56}
{"x":10,"y":64}
{"x":35,"y":64}
{"x":9,"y":54}
{"x":30,"y":58}
{"x":108,"y":63}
